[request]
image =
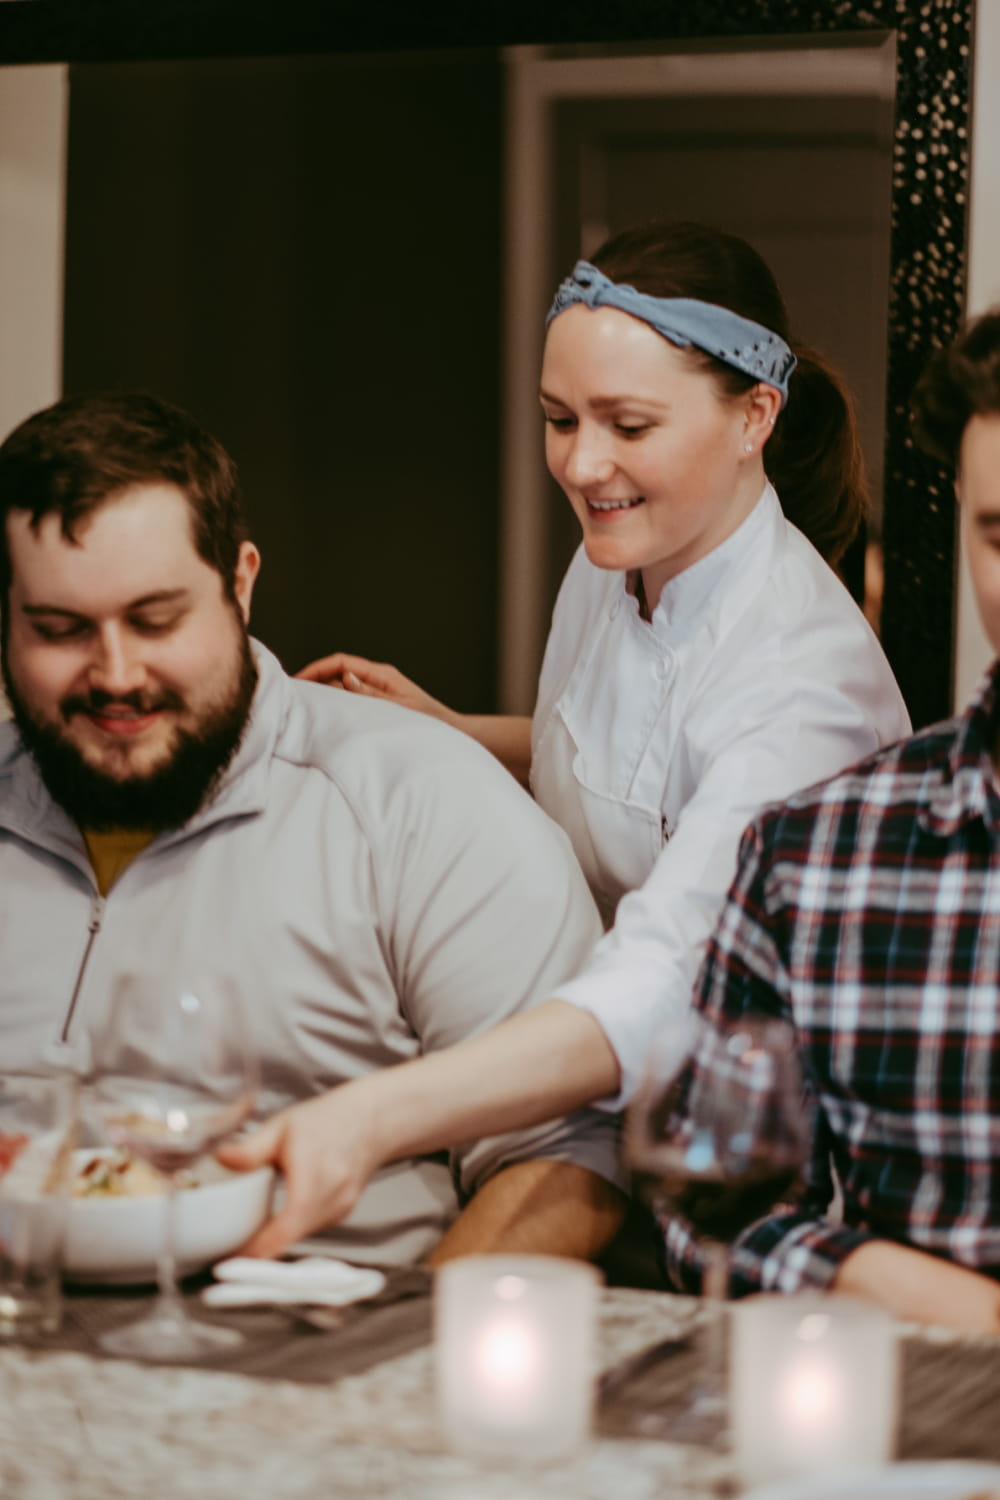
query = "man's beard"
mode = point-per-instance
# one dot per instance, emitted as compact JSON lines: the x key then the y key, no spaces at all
{"x":167,"y":796}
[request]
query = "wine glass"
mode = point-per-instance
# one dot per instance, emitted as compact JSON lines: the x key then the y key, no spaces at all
{"x":717,"y":1135}
{"x":170,"y":1077}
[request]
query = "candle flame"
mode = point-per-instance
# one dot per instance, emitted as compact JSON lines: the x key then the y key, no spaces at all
{"x":508,"y":1354}
{"x":811,"y":1394}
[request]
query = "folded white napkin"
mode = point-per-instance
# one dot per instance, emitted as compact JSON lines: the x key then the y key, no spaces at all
{"x":244,"y":1281}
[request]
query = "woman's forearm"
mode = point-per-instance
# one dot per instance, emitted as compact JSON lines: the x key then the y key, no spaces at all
{"x":533,"y":1067}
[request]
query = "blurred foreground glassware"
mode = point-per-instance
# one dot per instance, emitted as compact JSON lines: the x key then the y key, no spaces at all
{"x":37,"y":1124}
{"x":716,"y":1136}
{"x":514,"y":1351}
{"x":171,"y":1077}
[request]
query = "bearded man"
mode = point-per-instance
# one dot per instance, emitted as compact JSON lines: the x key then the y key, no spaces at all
{"x":172,"y":802}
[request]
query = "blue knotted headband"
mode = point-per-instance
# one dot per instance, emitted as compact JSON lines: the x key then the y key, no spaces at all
{"x":736,"y":341}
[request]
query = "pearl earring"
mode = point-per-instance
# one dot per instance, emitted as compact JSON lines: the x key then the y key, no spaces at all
{"x":748,"y":447}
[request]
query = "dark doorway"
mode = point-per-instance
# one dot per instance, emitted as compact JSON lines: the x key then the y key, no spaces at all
{"x":305,"y":253}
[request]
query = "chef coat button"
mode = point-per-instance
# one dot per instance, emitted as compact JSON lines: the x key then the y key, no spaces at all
{"x":614,"y":608}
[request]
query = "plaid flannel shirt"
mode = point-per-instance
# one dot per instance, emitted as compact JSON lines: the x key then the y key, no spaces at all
{"x":867,"y":911}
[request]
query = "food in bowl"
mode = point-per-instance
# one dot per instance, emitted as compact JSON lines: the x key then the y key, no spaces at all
{"x":32,"y":1166}
{"x":11,"y":1147}
{"x":119,"y":1174}
{"x":115,"y":1237}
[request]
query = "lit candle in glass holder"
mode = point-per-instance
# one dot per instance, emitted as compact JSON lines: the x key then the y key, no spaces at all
{"x":514,"y":1338}
{"x":813,"y":1381}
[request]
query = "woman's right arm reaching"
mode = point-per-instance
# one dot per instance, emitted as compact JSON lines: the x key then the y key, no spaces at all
{"x":507,"y":736}
{"x":544,"y":1062}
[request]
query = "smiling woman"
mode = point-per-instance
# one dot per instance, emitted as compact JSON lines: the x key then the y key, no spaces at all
{"x":656,"y":473}
{"x":651,"y":739}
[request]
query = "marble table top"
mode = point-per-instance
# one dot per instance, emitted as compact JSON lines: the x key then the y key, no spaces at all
{"x":76,"y":1427}
{"x":73,"y":1427}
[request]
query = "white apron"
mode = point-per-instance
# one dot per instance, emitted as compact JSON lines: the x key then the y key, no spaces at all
{"x":616,"y":839}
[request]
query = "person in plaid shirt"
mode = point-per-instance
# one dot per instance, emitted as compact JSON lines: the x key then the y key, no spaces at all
{"x":866,"y":910}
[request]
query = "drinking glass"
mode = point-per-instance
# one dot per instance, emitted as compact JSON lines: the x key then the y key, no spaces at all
{"x":715,"y":1139}
{"x":37,"y":1122}
{"x":171,"y":1076}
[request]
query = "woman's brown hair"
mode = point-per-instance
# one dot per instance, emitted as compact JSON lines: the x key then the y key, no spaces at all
{"x":814,"y":456}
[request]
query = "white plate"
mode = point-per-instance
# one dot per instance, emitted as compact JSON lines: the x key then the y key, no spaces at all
{"x":116,"y":1240}
{"x":951,"y":1480}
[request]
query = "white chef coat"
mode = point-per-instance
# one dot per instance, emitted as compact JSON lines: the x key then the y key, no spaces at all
{"x":654,"y":744}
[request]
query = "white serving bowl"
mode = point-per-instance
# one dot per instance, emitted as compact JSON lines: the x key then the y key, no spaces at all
{"x":117,"y":1240}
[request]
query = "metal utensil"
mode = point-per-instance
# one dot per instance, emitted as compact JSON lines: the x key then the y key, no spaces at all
{"x":401,"y":1283}
{"x":326,"y":1319}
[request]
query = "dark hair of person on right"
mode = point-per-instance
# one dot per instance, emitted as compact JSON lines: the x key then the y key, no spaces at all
{"x":86,"y":449}
{"x":958,"y":383}
{"x":814,"y":458}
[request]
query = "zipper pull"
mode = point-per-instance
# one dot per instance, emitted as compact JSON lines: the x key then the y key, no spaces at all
{"x":93,"y":928}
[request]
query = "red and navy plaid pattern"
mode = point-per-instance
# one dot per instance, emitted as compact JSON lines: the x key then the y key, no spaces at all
{"x":867,"y":910}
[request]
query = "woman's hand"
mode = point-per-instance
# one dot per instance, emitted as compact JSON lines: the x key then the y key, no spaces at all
{"x":506,"y":736}
{"x":374,"y":679}
{"x":329,"y":1147}
{"x":325,"y":1149}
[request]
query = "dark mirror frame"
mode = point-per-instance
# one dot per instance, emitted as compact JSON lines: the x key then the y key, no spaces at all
{"x":929,"y":189}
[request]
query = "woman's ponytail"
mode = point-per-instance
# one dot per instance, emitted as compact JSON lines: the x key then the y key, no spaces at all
{"x":814,"y":458}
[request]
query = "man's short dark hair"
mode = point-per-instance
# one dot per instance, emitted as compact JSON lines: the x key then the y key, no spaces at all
{"x":960,"y":382}
{"x":72,"y":457}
